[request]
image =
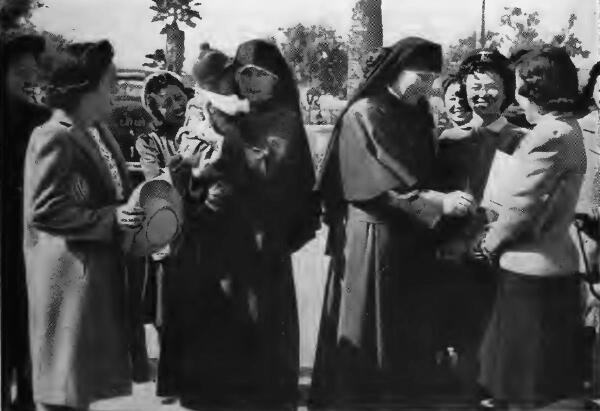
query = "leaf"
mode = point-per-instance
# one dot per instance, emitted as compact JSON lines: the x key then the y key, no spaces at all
{"x":572,"y":20}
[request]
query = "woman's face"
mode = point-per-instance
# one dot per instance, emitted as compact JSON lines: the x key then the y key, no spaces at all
{"x":256,"y":85}
{"x":171,"y":103}
{"x":596,"y":94}
{"x":485,"y":93}
{"x":21,"y":76}
{"x":102,"y":96}
{"x":456,"y":105}
{"x":532,"y":112}
{"x":414,"y":84}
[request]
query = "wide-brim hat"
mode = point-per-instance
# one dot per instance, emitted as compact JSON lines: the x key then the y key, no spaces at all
{"x":163,"y":206}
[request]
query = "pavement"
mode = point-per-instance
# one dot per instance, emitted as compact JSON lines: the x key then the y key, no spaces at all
{"x":144,"y":399}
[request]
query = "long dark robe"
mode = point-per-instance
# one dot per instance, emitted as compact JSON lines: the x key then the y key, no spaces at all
{"x":376,"y":333}
{"x":18,"y":121}
{"x":281,"y":208}
{"x":209,"y":342}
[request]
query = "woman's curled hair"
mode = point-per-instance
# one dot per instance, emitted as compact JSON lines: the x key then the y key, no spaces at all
{"x":549,"y":78}
{"x":75,"y":71}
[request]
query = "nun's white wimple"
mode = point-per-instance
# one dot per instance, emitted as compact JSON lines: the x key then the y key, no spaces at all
{"x":244,"y":67}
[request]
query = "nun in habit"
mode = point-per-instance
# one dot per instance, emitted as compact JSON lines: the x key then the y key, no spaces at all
{"x":377,"y":324}
{"x":280,"y":206}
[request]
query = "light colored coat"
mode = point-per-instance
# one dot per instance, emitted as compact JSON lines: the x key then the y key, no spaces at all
{"x":540,"y":196}
{"x":75,"y":268}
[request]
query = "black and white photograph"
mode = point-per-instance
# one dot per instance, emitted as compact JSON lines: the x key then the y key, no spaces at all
{"x":300,"y":205}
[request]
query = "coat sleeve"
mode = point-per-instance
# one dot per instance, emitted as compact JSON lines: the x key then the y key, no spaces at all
{"x":54,"y":205}
{"x":206,"y":196}
{"x":424,"y":206}
{"x":531,"y":188}
{"x":149,"y":156}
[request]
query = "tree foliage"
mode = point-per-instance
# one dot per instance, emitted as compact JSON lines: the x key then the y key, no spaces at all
{"x":172,"y":12}
{"x":519,"y":29}
{"x":157,"y":60}
{"x":12,"y":12}
{"x":318,"y":57}
{"x":176,"y":10}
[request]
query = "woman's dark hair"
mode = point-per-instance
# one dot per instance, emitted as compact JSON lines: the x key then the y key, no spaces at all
{"x":155,"y":84}
{"x":13,"y":47}
{"x":587,"y":94}
{"x":76,"y":71}
{"x":549,"y":77}
{"x":491,"y":60}
{"x":451,"y":79}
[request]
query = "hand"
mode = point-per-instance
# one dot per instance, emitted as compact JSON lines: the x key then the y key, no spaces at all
{"x":479,"y":254}
{"x":458,"y":204}
{"x":129,"y":216}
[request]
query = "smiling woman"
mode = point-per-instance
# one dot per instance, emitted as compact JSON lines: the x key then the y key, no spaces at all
{"x":165,"y":100}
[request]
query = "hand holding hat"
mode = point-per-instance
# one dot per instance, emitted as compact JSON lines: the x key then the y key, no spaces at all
{"x":130,"y":215}
{"x":163,"y":209}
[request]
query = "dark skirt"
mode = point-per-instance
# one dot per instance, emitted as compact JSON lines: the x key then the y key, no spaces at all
{"x":533,"y":347}
{"x":377,"y":330}
{"x":209,"y":339}
{"x":230,"y":336}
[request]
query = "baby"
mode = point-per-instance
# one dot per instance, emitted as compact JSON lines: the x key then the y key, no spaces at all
{"x":211,"y":114}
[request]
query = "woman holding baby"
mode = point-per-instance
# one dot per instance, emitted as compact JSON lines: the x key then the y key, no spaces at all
{"x":231,"y":325}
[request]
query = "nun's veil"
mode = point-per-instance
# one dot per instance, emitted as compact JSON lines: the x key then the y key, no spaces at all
{"x":409,"y":53}
{"x":266,"y":55}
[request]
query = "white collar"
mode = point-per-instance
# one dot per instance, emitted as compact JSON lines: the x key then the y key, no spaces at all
{"x":497,"y":125}
{"x":231,"y":104}
{"x":256,"y":67}
{"x":393,"y":93}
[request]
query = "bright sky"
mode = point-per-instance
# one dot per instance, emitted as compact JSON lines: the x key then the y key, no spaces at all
{"x":226,"y":23}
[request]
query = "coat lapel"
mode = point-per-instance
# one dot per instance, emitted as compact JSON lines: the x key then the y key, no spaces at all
{"x":84,"y":141}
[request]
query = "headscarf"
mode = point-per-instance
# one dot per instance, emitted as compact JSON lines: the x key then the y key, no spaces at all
{"x":158,"y":80}
{"x":265,"y":55}
{"x":410,"y":52}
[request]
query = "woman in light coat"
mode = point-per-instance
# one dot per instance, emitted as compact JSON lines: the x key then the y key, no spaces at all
{"x":75,"y":215}
{"x":531,"y":354}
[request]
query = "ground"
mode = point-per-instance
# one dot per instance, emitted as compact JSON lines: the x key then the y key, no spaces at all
{"x":143,"y":399}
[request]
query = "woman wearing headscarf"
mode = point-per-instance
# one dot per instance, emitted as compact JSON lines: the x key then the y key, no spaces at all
{"x":376,"y":322}
{"x":165,"y":99}
{"x":280,"y":204}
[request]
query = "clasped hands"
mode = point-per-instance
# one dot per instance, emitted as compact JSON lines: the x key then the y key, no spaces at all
{"x":461,"y":204}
